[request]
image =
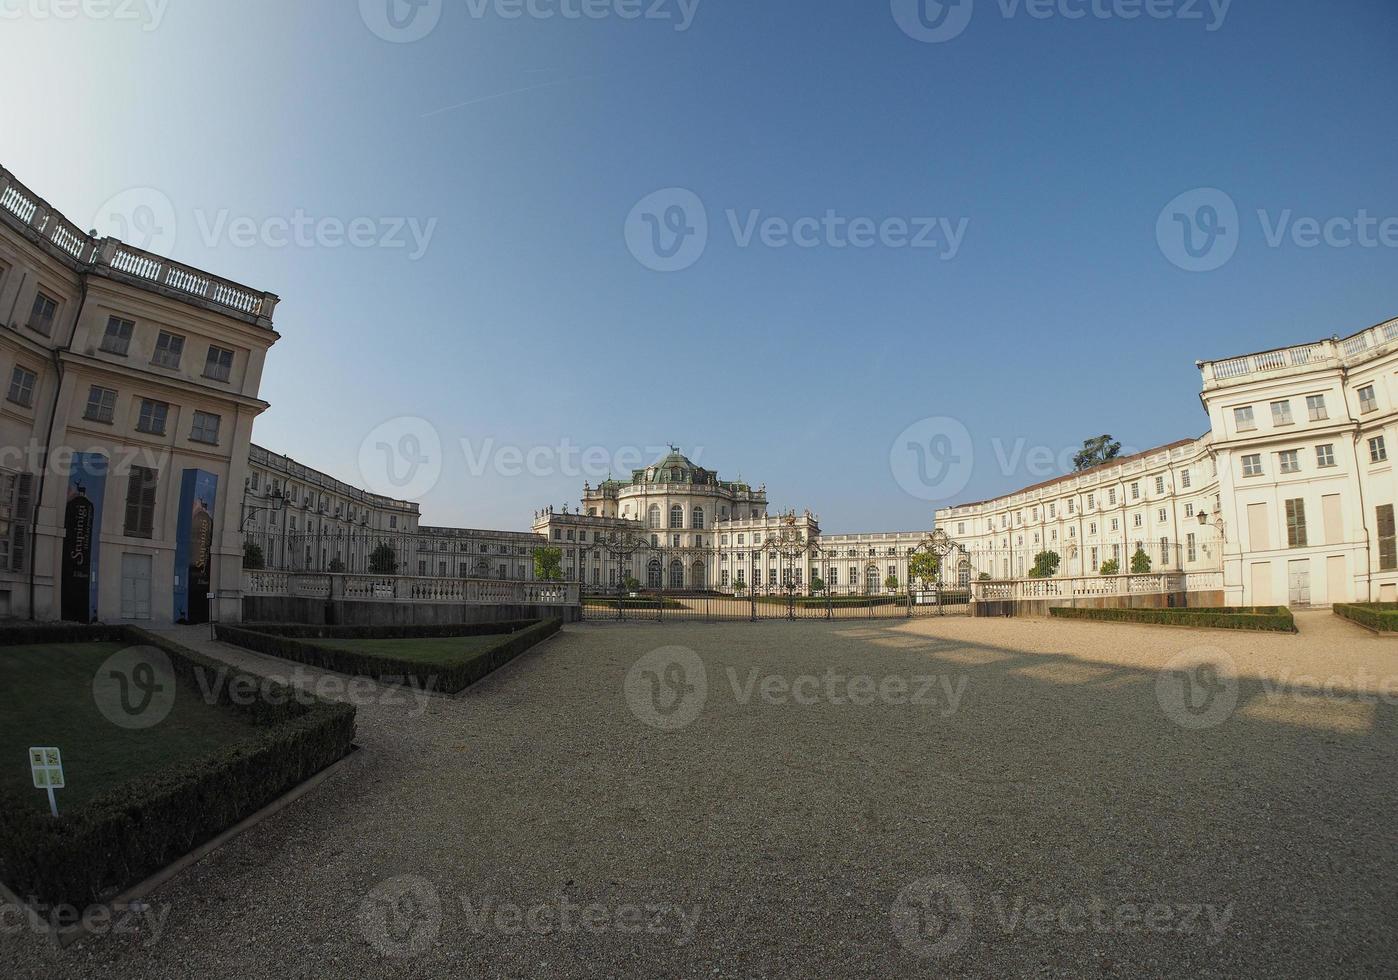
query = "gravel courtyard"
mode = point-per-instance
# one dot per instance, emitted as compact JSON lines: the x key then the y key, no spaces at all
{"x":935,"y":797}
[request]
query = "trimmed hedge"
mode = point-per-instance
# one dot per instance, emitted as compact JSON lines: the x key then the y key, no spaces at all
{"x":297,"y":643}
{"x":1381,"y":617}
{"x":635,"y":603}
{"x":120,"y":837}
{"x":1276,"y":619}
{"x":836,"y":602}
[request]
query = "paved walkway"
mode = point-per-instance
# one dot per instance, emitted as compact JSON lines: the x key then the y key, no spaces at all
{"x":938,"y":797}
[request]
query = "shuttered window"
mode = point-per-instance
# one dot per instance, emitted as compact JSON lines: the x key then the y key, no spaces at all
{"x":16,"y":509}
{"x":1388,"y":543}
{"x":140,"y":503}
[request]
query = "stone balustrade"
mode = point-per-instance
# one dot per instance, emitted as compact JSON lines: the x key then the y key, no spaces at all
{"x":409,"y":588}
{"x":1096,"y":586}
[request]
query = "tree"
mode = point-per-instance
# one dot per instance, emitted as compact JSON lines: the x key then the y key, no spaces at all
{"x":631,"y":584}
{"x":983,"y":577}
{"x":817,"y":585}
{"x":1095,"y":452}
{"x":336,"y":566}
{"x":1045,"y":565}
{"x":382,"y":561}
{"x":923,"y":565}
{"x":1140,"y":561}
{"x":891,"y":583}
{"x":1111,"y":567}
{"x":548,"y":564}
{"x":252,"y":556}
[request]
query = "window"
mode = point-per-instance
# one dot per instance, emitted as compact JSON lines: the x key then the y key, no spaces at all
{"x":1368,"y":401}
{"x":1378,"y":450}
{"x":1191,"y":548}
{"x":219,"y":365}
{"x":1325,"y":455}
{"x":1111,"y":497}
{"x":1159,"y":485}
{"x":1139,"y":520}
{"x":140,"y":502}
{"x":1296,"y":523}
{"x":152,"y":417}
{"x":1189,"y":510}
{"x":1252,"y":465}
{"x":1162,"y":516}
{"x":117,"y":339}
{"x":1388,"y":542}
{"x":1243,"y":419}
{"x":22,"y":382}
{"x":1185,"y":481}
{"x":1090,"y":501}
{"x":205,"y":428}
{"x":16,"y":501}
{"x":169,"y":348}
{"x":1315,"y":405}
{"x":676,"y":516}
{"x":1135,"y":491}
{"x":653,"y":517}
{"x":699,"y":517}
{"x":1281,"y":413}
{"x":1289,"y":461}
{"x":42,"y":313}
{"x":101,"y":405}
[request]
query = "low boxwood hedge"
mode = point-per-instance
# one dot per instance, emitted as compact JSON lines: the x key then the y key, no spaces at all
{"x":1381,"y":617}
{"x":1277,"y":619}
{"x":115,"y":840}
{"x":298,"y":643}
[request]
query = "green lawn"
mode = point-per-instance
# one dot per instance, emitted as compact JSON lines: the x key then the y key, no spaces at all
{"x":440,"y":650}
{"x":46,"y":698}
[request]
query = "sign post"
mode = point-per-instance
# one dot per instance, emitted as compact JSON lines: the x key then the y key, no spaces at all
{"x":46,"y":764}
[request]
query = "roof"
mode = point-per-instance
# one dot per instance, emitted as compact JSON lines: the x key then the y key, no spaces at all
{"x":1119,"y":461}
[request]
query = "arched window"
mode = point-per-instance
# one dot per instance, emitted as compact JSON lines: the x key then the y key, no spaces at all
{"x":653,"y":517}
{"x":676,"y":574}
{"x":677,"y":516}
{"x":653,"y":574}
{"x":698,"y":517}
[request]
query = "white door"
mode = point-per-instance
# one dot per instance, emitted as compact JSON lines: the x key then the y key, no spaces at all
{"x":1299,"y":579}
{"x":135,"y":586}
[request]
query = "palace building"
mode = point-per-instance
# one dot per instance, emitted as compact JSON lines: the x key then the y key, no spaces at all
{"x":1288,"y":499}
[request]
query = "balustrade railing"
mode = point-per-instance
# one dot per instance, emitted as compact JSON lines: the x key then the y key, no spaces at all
{"x":1096,"y":586}
{"x":408,"y":588}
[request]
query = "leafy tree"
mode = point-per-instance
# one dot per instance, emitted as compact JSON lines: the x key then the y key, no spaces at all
{"x":1140,"y":561}
{"x":252,"y":556}
{"x":631,"y":584}
{"x":548,"y":564}
{"x":817,"y":585}
{"x":923,"y":565}
{"x":1045,"y":565}
{"x":382,"y":560}
{"x":1111,"y":567}
{"x":983,"y":577}
{"x":336,"y":566}
{"x":891,"y":583}
{"x":1095,"y":452}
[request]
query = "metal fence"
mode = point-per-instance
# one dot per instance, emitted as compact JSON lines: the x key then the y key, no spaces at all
{"x":662,"y":606}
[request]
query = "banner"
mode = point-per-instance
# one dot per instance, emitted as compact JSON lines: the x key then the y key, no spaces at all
{"x":194,"y":540}
{"x":82,"y":536}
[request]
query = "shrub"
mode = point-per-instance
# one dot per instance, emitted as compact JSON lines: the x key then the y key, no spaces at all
{"x":1267,"y":618}
{"x":1140,"y":562}
{"x":123,"y":836}
{"x":1381,"y":617}
{"x":1110,"y":567}
{"x":298,"y":643}
{"x":252,"y":556}
{"x":1045,"y":564}
{"x":383,"y":561}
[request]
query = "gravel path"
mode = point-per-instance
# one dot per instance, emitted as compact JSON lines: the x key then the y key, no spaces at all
{"x":998,"y":798}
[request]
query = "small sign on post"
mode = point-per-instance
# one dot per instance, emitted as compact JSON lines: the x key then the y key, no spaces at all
{"x":46,"y":763}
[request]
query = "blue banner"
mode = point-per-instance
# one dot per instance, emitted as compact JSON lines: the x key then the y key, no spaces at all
{"x":82,"y":536}
{"x":194,"y":539}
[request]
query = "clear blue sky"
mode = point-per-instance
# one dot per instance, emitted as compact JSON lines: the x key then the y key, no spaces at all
{"x":529,"y":321}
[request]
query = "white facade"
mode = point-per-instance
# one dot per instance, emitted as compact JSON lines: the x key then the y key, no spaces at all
{"x":1289,"y":497}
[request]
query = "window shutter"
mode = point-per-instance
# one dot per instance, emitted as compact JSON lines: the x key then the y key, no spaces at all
{"x":19,"y":525}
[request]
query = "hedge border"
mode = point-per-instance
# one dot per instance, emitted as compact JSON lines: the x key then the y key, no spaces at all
{"x":293,"y":642}
{"x":1377,"y":617}
{"x":1267,"y":619}
{"x":134,"y":830}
